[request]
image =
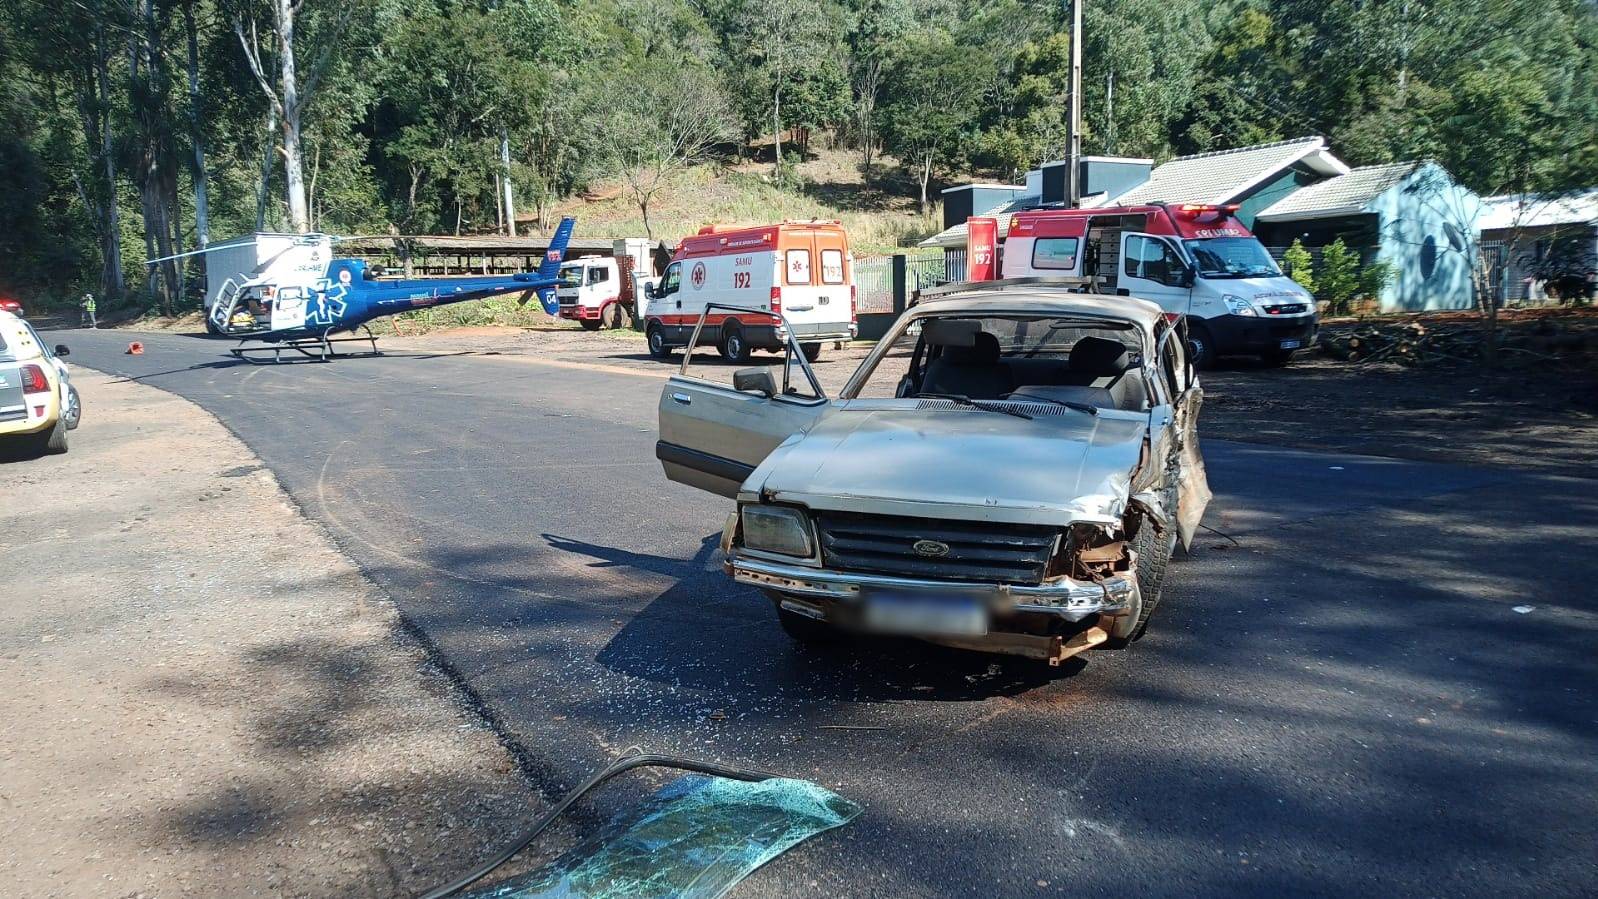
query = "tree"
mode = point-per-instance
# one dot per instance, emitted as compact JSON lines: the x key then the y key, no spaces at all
{"x":664,"y":118}
{"x":1300,"y":265}
{"x":1339,"y":280}
{"x":288,"y":95}
{"x":929,"y":113}
{"x":793,"y":47}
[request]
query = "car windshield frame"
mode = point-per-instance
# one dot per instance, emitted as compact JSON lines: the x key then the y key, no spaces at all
{"x":885,"y":348}
{"x":1199,"y":248}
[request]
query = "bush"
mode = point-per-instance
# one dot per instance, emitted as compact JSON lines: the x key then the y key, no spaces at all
{"x":1373,"y":279}
{"x":1300,"y":265}
{"x":1339,"y":279}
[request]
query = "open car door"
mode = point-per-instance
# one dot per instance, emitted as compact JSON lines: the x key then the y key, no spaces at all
{"x":1192,"y":482}
{"x":717,"y":423}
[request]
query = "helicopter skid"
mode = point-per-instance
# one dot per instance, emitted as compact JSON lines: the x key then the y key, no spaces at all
{"x":319,"y":349}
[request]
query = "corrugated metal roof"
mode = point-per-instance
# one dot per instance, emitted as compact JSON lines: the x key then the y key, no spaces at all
{"x":1224,"y":175}
{"x":1344,"y":195}
{"x":444,"y":244}
{"x":1529,"y":211}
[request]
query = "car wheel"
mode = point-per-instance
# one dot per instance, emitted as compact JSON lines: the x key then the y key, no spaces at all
{"x":1154,"y":549}
{"x":804,"y":630}
{"x":54,"y":441}
{"x":812,"y":351}
{"x":591,"y":324}
{"x":74,"y":410}
{"x":1277,"y":358}
{"x":1200,"y":345}
{"x":734,"y":348}
{"x":657,"y":342}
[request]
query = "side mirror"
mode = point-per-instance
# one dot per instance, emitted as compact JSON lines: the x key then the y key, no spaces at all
{"x":755,"y":380}
{"x":61,"y":350}
{"x":1187,"y":278}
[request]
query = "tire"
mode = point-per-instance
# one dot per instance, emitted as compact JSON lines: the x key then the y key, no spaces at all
{"x":609,"y":316}
{"x":1277,"y":358}
{"x":812,"y":351}
{"x":807,"y":631}
{"x":1200,"y":345}
{"x":656,"y":335}
{"x":734,"y":346}
{"x":75,"y":404}
{"x":1154,"y":551}
{"x":52,"y":442}
{"x":591,"y":324}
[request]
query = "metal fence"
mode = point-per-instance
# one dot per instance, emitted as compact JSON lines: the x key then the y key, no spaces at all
{"x":873,"y":278}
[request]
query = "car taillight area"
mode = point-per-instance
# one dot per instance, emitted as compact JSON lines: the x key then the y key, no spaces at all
{"x":33,"y":379}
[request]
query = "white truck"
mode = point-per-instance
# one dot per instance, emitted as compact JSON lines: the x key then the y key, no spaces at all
{"x":606,"y":291}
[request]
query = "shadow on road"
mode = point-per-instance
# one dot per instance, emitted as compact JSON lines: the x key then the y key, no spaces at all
{"x":651,"y":645}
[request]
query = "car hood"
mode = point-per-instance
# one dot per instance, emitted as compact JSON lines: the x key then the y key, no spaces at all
{"x":967,"y":464}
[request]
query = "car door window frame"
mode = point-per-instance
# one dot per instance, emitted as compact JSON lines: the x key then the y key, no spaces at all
{"x":793,"y":354}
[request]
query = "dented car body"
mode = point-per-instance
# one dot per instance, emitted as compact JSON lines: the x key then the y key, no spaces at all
{"x":1009,"y":470}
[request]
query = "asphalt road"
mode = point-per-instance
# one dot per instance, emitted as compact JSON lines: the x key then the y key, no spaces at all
{"x":1344,"y":702}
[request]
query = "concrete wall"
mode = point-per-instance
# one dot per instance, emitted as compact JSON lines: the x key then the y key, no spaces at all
{"x":1428,"y":235}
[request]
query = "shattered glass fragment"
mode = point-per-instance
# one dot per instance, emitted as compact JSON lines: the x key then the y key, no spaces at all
{"x":695,"y":838}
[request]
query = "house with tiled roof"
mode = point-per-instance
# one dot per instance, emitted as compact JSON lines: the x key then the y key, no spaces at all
{"x":1411,"y":216}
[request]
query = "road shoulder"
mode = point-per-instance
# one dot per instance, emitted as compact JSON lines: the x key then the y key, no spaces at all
{"x":202,"y":695}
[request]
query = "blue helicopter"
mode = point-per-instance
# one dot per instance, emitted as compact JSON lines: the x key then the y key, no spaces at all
{"x":305,"y":314}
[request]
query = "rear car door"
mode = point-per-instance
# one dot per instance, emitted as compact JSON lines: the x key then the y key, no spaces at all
{"x":712,"y":434}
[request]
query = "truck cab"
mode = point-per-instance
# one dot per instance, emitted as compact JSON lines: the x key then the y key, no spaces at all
{"x":1196,"y":260}
{"x":589,"y":290}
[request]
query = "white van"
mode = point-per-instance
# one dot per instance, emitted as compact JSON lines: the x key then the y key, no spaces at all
{"x":801,"y":270}
{"x":1191,"y":259}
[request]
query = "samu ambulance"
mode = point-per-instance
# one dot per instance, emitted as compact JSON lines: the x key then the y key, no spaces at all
{"x":1191,"y":259}
{"x":801,"y":270}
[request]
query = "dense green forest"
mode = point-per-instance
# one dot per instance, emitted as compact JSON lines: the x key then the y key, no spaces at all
{"x":131,"y":129}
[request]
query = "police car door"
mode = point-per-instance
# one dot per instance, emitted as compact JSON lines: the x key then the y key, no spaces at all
{"x":717,"y":423}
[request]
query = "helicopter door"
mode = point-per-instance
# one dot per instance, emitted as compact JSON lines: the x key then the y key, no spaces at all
{"x":288,"y":308}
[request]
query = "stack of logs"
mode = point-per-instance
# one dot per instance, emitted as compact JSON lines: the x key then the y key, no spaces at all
{"x":1414,"y":343}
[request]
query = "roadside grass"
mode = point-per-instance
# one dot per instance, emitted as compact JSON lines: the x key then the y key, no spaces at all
{"x":878,"y":221}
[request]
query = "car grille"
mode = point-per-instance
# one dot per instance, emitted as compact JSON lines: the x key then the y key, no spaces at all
{"x":1286,"y":308}
{"x":978,"y":551}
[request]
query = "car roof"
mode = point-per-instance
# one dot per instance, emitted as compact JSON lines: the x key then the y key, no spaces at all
{"x":1049,"y":299}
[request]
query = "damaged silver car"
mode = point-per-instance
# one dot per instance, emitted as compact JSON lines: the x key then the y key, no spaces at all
{"x":1009,"y":470}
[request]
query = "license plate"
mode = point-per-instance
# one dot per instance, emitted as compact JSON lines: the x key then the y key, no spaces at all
{"x":916,"y":614}
{"x":1292,"y":344}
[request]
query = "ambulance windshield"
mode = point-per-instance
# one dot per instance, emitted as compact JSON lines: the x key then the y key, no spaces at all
{"x":1232,"y":257}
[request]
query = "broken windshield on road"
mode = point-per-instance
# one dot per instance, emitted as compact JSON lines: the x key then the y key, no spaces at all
{"x":695,"y":838}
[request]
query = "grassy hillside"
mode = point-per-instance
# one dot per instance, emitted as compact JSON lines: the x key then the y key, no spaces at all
{"x":880,"y":217}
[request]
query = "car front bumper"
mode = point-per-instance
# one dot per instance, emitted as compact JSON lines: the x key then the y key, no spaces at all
{"x":1261,"y":333}
{"x":1060,"y":598}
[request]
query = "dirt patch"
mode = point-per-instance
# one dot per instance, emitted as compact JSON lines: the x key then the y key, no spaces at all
{"x":202,"y":696}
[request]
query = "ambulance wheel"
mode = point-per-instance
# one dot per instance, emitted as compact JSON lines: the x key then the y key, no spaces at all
{"x":812,"y":351}
{"x":734,"y":347}
{"x":657,"y":341}
{"x":1200,"y":345}
{"x":591,"y":324}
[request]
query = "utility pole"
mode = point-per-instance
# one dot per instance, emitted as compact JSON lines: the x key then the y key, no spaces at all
{"x":1073,"y":158}
{"x":1109,"y":113}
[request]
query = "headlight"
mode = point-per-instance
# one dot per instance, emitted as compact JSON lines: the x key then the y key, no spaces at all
{"x":777,"y":529}
{"x":1237,"y":305}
